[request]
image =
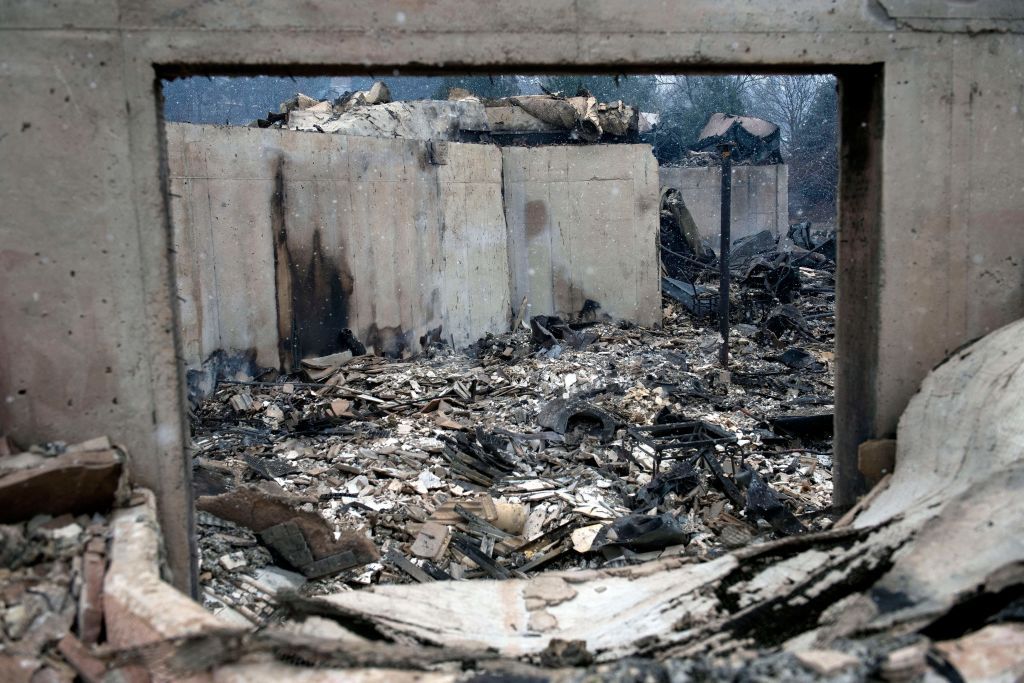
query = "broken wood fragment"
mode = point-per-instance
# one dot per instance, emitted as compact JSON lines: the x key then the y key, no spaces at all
{"x":465,"y":546}
{"x":406,"y":565}
{"x":432,"y":541}
{"x":764,"y":503}
{"x":286,"y":542}
{"x":284,"y":524}
{"x":88,"y":481}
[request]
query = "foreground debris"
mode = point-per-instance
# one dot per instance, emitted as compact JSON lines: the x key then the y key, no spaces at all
{"x":882,"y":595}
{"x":878,"y":597}
{"x":53,"y":547}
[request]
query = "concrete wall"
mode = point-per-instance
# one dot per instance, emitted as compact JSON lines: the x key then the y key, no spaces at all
{"x":760,"y":198}
{"x":583,"y":224}
{"x":87,"y":303}
{"x":220,"y":199}
{"x":284,"y":238}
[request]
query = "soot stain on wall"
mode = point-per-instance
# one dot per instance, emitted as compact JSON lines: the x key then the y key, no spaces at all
{"x":389,"y":341}
{"x":536,"y":218}
{"x":321,"y":295}
{"x":287,"y":353}
{"x":314,"y":285}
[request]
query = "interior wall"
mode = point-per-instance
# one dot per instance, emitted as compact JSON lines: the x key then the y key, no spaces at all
{"x":760,"y":198}
{"x":475,"y":280}
{"x":284,"y":238}
{"x":583,"y":224}
{"x":222,"y":187}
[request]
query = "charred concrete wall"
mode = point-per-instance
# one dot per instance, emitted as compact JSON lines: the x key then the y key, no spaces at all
{"x":760,"y":198}
{"x":283,"y":238}
{"x":583,"y":224}
{"x":87,"y":295}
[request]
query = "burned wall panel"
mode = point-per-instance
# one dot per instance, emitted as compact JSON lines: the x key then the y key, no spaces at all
{"x":197,"y":310}
{"x":223,"y":236}
{"x":582,"y":224}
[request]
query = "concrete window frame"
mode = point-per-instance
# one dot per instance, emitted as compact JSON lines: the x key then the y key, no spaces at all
{"x":858,"y":268}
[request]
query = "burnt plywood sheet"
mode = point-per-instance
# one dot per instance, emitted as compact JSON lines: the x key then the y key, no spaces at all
{"x":583,"y":224}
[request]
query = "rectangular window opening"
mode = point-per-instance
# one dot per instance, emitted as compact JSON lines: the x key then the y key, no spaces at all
{"x":444,"y":327}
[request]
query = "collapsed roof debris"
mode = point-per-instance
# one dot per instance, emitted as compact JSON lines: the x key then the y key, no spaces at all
{"x":463,"y":116}
{"x":752,"y":140}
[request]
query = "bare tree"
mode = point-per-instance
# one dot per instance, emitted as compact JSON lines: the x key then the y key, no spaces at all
{"x":686,"y":104}
{"x":784,"y":100}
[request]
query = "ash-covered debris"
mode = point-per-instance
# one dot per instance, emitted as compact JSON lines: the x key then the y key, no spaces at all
{"x":522,"y":454}
{"x":548,"y":118}
{"x":54,"y":506}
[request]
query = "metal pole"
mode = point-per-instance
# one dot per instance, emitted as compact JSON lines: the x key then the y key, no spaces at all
{"x":723,"y":257}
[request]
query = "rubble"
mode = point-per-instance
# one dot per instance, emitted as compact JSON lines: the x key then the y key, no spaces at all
{"x":87,"y":477}
{"x":888,"y":597}
{"x":582,"y":115}
{"x":549,"y":118}
{"x":539,"y":449}
{"x":880,"y":598}
{"x":53,"y":552}
{"x":416,"y":120}
{"x":299,"y":538}
{"x":753,"y":140}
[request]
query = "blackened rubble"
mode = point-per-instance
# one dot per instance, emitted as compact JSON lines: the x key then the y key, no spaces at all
{"x":521,"y":455}
{"x":53,"y":552}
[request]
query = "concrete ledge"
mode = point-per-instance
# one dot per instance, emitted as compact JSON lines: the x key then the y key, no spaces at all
{"x":141,"y":608}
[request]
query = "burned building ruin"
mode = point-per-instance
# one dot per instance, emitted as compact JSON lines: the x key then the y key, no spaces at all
{"x":472,"y":387}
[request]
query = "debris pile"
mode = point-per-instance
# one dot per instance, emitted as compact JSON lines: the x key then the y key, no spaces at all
{"x":922,"y":581}
{"x":463,"y":116}
{"x":768,"y":276}
{"x":751,"y":140}
{"x":563,"y":444}
{"x":53,"y":546}
{"x":582,"y":116}
{"x":860,"y":601}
